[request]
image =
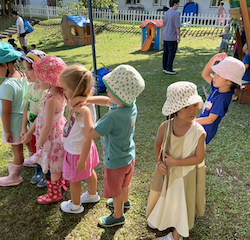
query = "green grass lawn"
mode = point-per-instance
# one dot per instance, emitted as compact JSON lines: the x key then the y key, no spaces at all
{"x":227,"y":214}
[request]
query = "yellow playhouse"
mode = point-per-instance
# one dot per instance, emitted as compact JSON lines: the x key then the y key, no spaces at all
{"x":76,"y":30}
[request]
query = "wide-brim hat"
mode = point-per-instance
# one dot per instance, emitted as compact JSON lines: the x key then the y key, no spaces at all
{"x":231,"y":69}
{"x":125,"y":83}
{"x":34,"y":55}
{"x":49,"y":69}
{"x":8,"y":53}
{"x":180,"y":95}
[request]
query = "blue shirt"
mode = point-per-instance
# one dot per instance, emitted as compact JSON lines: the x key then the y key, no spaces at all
{"x":246,"y":60}
{"x":116,"y":129}
{"x":216,"y":103}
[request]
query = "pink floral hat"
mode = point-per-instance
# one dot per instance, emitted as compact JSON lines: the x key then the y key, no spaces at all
{"x":49,"y":69}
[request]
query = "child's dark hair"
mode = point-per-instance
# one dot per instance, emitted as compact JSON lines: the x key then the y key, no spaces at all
{"x":234,"y":86}
{"x":172,"y":2}
{"x":171,"y":116}
{"x":9,"y":35}
{"x":221,"y":3}
{"x":33,"y":45}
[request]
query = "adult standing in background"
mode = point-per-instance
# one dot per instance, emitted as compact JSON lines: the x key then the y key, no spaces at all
{"x":171,"y":36}
{"x":20,"y":28}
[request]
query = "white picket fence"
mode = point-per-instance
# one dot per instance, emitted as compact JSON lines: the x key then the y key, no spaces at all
{"x":124,"y":16}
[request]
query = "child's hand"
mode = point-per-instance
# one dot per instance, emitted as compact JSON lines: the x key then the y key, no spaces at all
{"x":161,"y":166}
{"x":39,"y":145}
{"x":23,"y":131}
{"x":81,"y":165}
{"x":170,"y":161}
{"x":26,"y":138}
{"x":78,"y":101}
{"x":9,"y":137}
{"x":219,"y":56}
{"x":80,"y":109}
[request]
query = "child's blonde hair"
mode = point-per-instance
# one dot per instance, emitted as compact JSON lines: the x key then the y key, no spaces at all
{"x":78,"y":79}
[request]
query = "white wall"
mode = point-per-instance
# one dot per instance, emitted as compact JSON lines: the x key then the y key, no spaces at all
{"x":203,"y":5}
{"x":44,"y":2}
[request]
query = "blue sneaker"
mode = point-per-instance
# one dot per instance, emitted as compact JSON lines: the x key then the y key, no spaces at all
{"x":38,"y":174}
{"x":42,"y":183}
{"x":110,"y":221}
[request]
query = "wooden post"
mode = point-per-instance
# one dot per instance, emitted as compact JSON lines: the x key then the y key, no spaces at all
{"x":246,"y":20}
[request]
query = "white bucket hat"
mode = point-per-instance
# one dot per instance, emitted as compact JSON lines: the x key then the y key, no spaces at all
{"x":125,"y":83}
{"x":180,"y":95}
{"x":231,"y":69}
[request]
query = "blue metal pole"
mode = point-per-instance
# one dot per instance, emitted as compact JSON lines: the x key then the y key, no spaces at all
{"x":93,"y":50}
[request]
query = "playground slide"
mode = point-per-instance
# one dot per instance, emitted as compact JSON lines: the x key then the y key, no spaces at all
{"x":147,"y":44}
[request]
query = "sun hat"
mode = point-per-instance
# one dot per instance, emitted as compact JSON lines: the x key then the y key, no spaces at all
{"x":125,"y":83}
{"x":180,"y":95}
{"x":231,"y":69}
{"x":34,"y":55}
{"x":48,"y":70}
{"x":8,"y":53}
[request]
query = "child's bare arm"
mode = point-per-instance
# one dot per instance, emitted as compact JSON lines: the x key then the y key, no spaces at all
{"x":158,"y":150}
{"x":206,"y":73}
{"x":6,"y":117}
{"x":98,"y":100}
{"x":25,"y":120}
{"x":194,"y":160}
{"x":87,"y":119}
{"x":26,"y":138}
{"x":86,"y":145}
{"x":50,"y":109}
{"x":207,"y":120}
{"x":246,"y":66}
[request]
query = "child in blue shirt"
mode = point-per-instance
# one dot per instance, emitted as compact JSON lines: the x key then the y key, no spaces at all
{"x":227,"y":77}
{"x":116,"y":129}
{"x":246,"y":61}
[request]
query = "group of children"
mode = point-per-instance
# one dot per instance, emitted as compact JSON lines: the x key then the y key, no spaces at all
{"x":66,"y":149}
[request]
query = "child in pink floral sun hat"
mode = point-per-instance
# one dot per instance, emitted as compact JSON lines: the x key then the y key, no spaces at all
{"x":49,"y":125}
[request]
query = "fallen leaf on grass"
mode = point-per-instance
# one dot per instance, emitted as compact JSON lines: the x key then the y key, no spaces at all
{"x":218,"y":171}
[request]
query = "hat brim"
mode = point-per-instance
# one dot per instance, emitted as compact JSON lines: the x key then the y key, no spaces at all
{"x":169,"y":109}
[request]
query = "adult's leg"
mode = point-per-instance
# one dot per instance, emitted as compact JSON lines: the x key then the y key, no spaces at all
{"x":165,"y":56}
{"x":21,"y":41}
{"x":172,"y":47}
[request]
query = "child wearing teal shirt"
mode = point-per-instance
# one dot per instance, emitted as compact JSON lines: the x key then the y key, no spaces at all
{"x":116,"y":129}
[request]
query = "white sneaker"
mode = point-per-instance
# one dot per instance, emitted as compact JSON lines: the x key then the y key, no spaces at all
{"x":168,"y":237}
{"x":86,"y":198}
{"x":69,"y":207}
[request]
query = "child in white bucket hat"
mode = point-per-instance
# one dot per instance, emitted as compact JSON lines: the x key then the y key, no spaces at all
{"x":227,"y":77}
{"x":178,"y":186}
{"x":116,"y":129}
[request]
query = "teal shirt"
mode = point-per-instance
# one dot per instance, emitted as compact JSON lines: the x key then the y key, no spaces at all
{"x":116,"y":129}
{"x":14,"y":90}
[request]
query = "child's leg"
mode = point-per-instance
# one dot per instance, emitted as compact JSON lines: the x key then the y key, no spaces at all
{"x":75,"y":192}
{"x":55,"y":176}
{"x":18,"y":154}
{"x":176,"y":235}
{"x":118,"y":206}
{"x":92,"y":183}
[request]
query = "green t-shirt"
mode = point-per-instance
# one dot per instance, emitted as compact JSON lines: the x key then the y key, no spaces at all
{"x":116,"y":129}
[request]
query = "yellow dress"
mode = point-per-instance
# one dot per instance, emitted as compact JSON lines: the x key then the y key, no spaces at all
{"x":175,"y":197}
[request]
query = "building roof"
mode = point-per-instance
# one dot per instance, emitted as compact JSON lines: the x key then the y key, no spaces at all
{"x":158,"y":23}
{"x":79,"y":20}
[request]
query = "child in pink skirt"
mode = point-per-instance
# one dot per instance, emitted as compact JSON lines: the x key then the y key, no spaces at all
{"x":81,"y":156}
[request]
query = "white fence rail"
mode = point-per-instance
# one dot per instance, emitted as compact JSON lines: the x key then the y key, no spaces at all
{"x":124,"y":16}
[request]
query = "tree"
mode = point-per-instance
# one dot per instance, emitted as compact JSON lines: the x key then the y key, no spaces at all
{"x":4,"y":9}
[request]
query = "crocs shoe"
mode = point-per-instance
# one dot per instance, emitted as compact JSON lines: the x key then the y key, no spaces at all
{"x":69,"y":207}
{"x":110,"y":221}
{"x":28,"y":163}
{"x":86,"y":198}
{"x":38,"y":174}
{"x":111,"y":204}
{"x":42,"y":183}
